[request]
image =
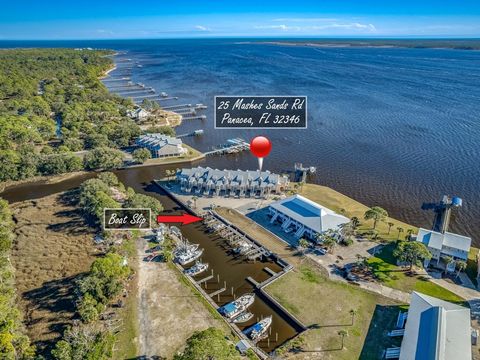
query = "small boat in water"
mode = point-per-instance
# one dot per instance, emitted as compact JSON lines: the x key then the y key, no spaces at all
{"x":234,"y":308}
{"x":163,"y":94}
{"x":185,"y":248}
{"x":196,"y":269}
{"x":243,"y":317}
{"x":184,"y":258}
{"x":257,"y":331}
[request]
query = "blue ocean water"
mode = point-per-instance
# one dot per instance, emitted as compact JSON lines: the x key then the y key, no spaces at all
{"x":393,"y":127}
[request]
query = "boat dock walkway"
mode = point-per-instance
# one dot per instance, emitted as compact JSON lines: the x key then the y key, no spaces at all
{"x":232,"y":146}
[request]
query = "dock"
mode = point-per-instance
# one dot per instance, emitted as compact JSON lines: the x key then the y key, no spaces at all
{"x":232,"y":146}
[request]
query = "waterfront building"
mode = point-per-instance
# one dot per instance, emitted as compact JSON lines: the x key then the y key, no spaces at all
{"x":161,"y":145}
{"x":436,"y":330}
{"x":240,"y":183}
{"x":138,"y":114}
{"x":305,"y":218}
{"x":444,"y":244}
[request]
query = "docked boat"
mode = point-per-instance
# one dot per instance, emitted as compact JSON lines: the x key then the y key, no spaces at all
{"x":196,"y":269}
{"x":258,"y":330}
{"x":242,"y":247}
{"x":185,"y":258}
{"x":185,"y":248}
{"x":235,"y":308}
{"x":243,"y":317}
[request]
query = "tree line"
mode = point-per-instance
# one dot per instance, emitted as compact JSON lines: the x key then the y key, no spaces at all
{"x":53,"y":104}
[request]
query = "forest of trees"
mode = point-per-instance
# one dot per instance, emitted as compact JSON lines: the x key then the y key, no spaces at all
{"x":52,"y":104}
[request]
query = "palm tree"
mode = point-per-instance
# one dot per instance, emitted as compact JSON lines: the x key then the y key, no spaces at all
{"x":461,"y":266}
{"x":329,"y":242}
{"x":194,"y":199}
{"x":353,"y":312}
{"x":400,"y":230}
{"x":303,"y":245}
{"x":390,"y":224}
{"x":343,"y":333}
{"x":409,"y":234}
{"x":377,"y":214}
{"x":355,"y":221}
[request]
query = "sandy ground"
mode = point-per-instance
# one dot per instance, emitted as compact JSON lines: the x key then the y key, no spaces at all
{"x":53,"y":247}
{"x":168,"y":311}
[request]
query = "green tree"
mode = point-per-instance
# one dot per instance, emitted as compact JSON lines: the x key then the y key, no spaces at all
{"x":390,"y":224}
{"x":461,"y":266}
{"x":343,"y":334}
{"x":329,"y":242}
{"x":353,"y":313}
{"x":376,"y":214}
{"x":145,"y":201}
{"x":411,"y":252}
{"x":89,"y":309}
{"x":141,"y":155}
{"x":103,"y":158}
{"x":400,"y":230}
{"x":208,"y":344}
{"x":303,"y":245}
{"x":355,"y":221}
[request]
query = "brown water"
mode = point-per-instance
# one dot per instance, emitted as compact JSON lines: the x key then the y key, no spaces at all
{"x":232,"y":270}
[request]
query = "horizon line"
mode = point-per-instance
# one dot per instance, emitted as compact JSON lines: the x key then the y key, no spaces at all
{"x":311,"y":37}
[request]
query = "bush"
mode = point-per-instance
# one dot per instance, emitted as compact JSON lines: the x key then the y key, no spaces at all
{"x":141,"y":155}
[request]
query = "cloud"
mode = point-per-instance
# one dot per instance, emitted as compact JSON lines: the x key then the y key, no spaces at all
{"x":104,"y":31}
{"x":279,"y":27}
{"x":355,"y":26}
{"x":202,"y":28}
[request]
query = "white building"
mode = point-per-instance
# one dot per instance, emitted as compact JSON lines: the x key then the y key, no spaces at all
{"x":304,"y":217}
{"x":161,"y":145}
{"x":138,"y":114}
{"x":445,"y":244}
{"x":239,"y":183}
{"x":436,"y":330}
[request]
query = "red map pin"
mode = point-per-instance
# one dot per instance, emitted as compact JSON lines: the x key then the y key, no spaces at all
{"x":260,"y":146}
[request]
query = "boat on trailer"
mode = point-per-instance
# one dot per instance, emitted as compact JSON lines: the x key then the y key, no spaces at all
{"x":258,"y":330}
{"x":235,"y":308}
{"x":196,"y":269}
{"x":243,"y":317}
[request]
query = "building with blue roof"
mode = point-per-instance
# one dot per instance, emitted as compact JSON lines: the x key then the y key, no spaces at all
{"x":304,"y":217}
{"x":436,"y":330}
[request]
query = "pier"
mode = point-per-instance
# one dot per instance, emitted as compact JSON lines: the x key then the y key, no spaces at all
{"x":199,"y":117}
{"x":232,"y":146}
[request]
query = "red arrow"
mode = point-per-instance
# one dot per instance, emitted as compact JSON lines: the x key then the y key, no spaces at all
{"x":184,"y":219}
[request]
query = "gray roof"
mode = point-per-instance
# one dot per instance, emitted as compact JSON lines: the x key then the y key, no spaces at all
{"x":261,"y":178}
{"x":157,"y":141}
{"x":309,"y":213}
{"x":436,"y":240}
{"x":436,"y":330}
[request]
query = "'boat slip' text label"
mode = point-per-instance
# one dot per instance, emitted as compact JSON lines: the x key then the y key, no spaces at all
{"x":126,"y":219}
{"x":261,"y":112}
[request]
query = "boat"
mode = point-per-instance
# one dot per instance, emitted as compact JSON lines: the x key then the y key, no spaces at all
{"x":256,"y":331}
{"x":235,"y":308}
{"x":243,"y":317}
{"x":242,"y":247}
{"x":184,"y":258}
{"x":185,"y":247}
{"x":163,"y":94}
{"x":196,"y":269}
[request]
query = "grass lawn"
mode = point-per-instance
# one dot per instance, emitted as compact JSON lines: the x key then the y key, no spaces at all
{"x":349,"y":207}
{"x":191,"y":155}
{"x":324,"y":306}
{"x":472,"y":265}
{"x":385,"y":268}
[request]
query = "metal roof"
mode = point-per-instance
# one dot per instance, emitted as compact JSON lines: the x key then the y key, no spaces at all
{"x":436,"y":240}
{"x":309,"y":213}
{"x":436,"y":330}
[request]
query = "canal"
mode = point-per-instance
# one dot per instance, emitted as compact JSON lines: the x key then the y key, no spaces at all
{"x":229,"y":270}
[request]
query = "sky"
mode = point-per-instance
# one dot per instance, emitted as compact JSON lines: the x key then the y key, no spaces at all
{"x":108,"y":19}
